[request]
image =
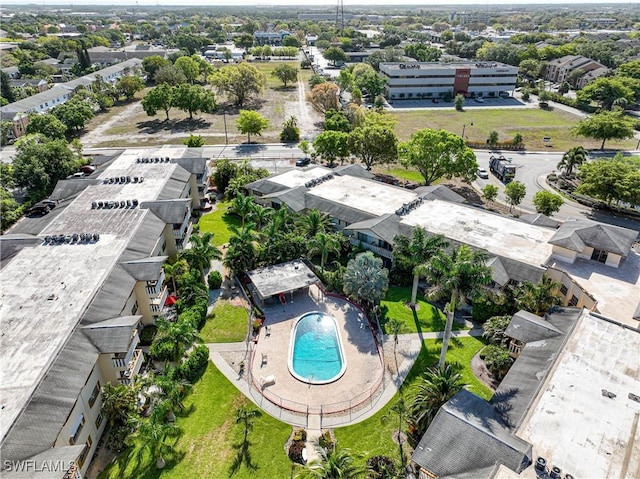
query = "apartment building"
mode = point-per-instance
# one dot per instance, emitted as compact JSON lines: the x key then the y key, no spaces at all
{"x":436,"y":80}
{"x":558,"y":70}
{"x":18,"y":112}
{"x":593,"y":262}
{"x":78,"y":285}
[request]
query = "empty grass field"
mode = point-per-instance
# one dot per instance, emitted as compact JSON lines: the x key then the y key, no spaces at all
{"x":532,"y":123}
{"x":226,"y":324}
{"x":219,"y":222}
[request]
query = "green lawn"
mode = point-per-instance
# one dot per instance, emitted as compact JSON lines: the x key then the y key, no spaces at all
{"x":206,"y":448}
{"x":218,"y":222}
{"x":426,"y":318}
{"x":371,"y":437}
{"x":532,"y":123}
{"x":227,"y":324}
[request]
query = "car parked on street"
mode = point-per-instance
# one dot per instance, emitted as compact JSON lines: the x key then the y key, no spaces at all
{"x":482,"y":173}
{"x":303,"y":162}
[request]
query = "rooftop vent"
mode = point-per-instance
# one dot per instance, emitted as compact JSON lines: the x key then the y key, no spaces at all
{"x":556,"y":473}
{"x":541,"y":465}
{"x":608,"y":394}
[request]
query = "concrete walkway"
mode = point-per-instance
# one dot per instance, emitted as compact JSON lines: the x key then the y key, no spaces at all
{"x":315,"y":423}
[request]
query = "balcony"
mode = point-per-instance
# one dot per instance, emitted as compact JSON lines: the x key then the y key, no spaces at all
{"x":385,"y":253}
{"x":133,"y":367}
{"x":184,"y":231}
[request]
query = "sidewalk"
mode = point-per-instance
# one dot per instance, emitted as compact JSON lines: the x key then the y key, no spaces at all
{"x":391,"y":382}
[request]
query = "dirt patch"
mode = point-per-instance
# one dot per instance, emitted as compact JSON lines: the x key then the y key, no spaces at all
{"x":482,"y":373}
{"x":473,"y":196}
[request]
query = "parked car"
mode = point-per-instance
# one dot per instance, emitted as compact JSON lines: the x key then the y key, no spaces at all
{"x":482,"y":173}
{"x":479,"y":99}
{"x":303,"y":162}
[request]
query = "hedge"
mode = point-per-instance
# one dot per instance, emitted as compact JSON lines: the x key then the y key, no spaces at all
{"x":195,"y":364}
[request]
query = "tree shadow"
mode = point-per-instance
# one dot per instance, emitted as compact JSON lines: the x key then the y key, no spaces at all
{"x":288,"y":88}
{"x":187,"y":124}
{"x":243,"y":456}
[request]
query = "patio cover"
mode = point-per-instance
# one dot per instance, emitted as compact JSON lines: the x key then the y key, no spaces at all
{"x":282,"y":278}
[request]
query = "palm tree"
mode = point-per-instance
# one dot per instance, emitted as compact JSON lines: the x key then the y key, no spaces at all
{"x":259,"y":215}
{"x":118,"y":402}
{"x":421,"y":248}
{"x":242,"y":205}
{"x":399,"y":410}
{"x":191,"y":288}
{"x":493,"y":329}
{"x":180,"y":335}
{"x":152,"y":434}
{"x":538,"y":298}
{"x":334,"y":464}
{"x":458,"y":276}
{"x":201,"y":253}
{"x":241,"y":254}
{"x":434,"y":388}
{"x":174,"y":271}
{"x":366,"y":280}
{"x":313,"y":222}
{"x":323,"y":244}
{"x":174,"y":391}
{"x":573,"y":158}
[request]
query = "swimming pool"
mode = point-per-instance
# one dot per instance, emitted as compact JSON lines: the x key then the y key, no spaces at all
{"x":315,"y":352}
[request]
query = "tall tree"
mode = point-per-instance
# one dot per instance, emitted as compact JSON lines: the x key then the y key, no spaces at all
{"x":118,"y":403}
{"x":324,"y":244}
{"x":169,"y":74}
{"x":74,"y":113}
{"x":152,"y":64}
{"x":573,"y":158}
{"x":324,"y":97}
{"x":547,"y":203}
{"x":240,"y":82}
{"x":374,"y":145}
{"x":285,"y":73}
{"x":174,"y":271}
{"x":47,"y":125}
{"x":158,"y":98}
{"x":434,"y":388}
{"x":313,"y":222}
{"x":332,"y":145}
{"x":607,"y":125}
{"x":537,"y":298}
{"x":605,"y":179}
{"x":201,"y":252}
{"x":335,"y":54}
{"x":606,"y":90}
{"x":515,"y":192}
{"x":193,"y":99}
{"x":129,"y":85}
{"x":189,"y":68}
{"x":366,"y":280}
{"x":5,"y":88}
{"x":458,"y":276}
{"x":243,"y":206}
{"x":251,"y":122}
{"x":437,"y":154}
{"x":400,"y":412}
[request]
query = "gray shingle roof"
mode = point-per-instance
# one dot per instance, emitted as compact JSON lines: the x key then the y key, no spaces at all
{"x":468,"y":435}
{"x":11,"y":244}
{"x":575,"y":235}
{"x":264,"y":186}
{"x":521,"y":384}
{"x":353,"y":170}
{"x":169,"y":211}
{"x":506,"y":269}
{"x":37,"y":428}
{"x":58,"y":455}
{"x":195,"y":165}
{"x":439,"y":192}
{"x":66,"y":189}
{"x":336,"y":210}
{"x":112,"y":335}
{"x":145,"y":269}
{"x":386,"y":227}
{"x":294,"y":198}
{"x":175,"y":184}
{"x":539,"y":219}
{"x":528,"y":327}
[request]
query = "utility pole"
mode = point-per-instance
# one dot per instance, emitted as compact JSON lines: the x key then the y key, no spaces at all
{"x":340,"y":16}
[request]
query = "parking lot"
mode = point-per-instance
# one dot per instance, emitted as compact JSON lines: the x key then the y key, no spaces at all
{"x":469,"y":103}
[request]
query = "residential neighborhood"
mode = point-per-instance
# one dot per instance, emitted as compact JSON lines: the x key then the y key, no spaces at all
{"x":328,"y":241}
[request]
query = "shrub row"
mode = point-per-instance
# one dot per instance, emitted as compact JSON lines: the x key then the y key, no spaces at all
{"x":196,"y":314}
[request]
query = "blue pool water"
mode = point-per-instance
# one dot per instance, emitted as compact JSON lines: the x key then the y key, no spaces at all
{"x":316,"y":352}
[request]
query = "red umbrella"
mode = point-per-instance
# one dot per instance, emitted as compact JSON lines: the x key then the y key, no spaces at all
{"x":170,"y":301}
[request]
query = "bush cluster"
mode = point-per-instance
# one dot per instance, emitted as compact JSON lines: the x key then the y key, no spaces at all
{"x":195,"y":364}
{"x":214,"y":279}
{"x":147,"y":334}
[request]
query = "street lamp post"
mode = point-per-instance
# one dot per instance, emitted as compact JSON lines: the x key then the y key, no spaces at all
{"x":224,"y":116}
{"x":464,"y":127}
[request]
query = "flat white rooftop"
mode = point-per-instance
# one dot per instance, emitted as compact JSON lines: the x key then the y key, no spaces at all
{"x":571,"y":423}
{"x":44,"y":290}
{"x":497,"y":234}
{"x":299,"y":176}
{"x":370,"y":196}
{"x":617,"y":290}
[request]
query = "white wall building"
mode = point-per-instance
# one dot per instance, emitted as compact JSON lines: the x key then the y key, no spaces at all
{"x":436,"y":80}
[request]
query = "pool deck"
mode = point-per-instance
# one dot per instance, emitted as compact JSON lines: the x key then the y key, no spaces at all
{"x":364,"y":369}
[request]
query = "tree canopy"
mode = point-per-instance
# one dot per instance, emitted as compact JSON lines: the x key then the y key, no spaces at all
{"x":324,"y":97}
{"x":438,"y":154}
{"x":158,"y":98}
{"x":607,"y":125}
{"x":610,"y":180}
{"x":241,"y":82}
{"x":193,"y":99}
{"x":285,"y":73}
{"x":374,"y":145}
{"x":47,"y":124}
{"x":252,"y":123}
{"x":331,"y":145}
{"x":547,"y":203}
